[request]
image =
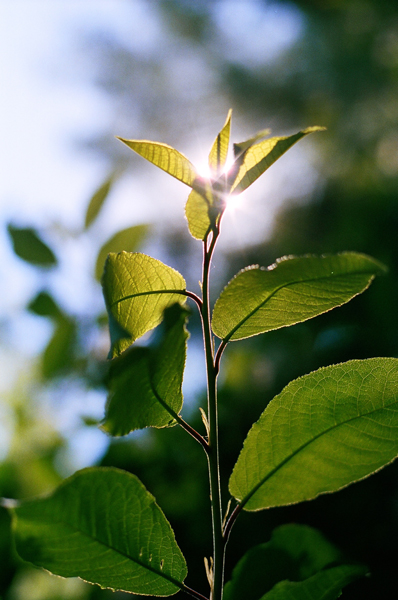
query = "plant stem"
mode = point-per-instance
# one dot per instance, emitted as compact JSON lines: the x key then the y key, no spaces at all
{"x":213,"y":452}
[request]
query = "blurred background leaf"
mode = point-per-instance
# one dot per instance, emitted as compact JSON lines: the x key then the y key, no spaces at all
{"x":97,"y":200}
{"x":129,"y":239}
{"x":28,"y":246}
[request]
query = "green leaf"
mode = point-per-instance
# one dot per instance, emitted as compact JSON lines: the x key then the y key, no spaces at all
{"x":324,"y":431}
{"x":241,"y":147}
{"x":219,"y":150}
{"x":137,"y":289}
{"x":8,"y":559}
{"x":292,"y":290}
{"x":257,"y":158}
{"x":97,"y":201}
{"x":325,"y":585}
{"x":44,"y":305}
{"x":165,"y":157}
{"x":28,"y":246}
{"x":197,"y":214}
{"x":58,"y":355}
{"x":145,"y":383}
{"x":295,"y":553}
{"x":128,"y":239}
{"x":103,"y":526}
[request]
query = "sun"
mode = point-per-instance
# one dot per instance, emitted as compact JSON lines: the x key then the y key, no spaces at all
{"x":234,"y":202}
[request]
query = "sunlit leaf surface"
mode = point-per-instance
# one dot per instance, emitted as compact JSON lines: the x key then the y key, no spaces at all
{"x":257,"y":158}
{"x":165,"y":157}
{"x":102,"y":525}
{"x":137,"y":289}
{"x":197,"y":214}
{"x":293,"y":290}
{"x":204,"y":203}
{"x":30,"y":247}
{"x":322,"y":432}
{"x":145,"y":383}
{"x":127,"y":239}
{"x":241,"y":147}
{"x":294,"y":553}
{"x":219,"y":150}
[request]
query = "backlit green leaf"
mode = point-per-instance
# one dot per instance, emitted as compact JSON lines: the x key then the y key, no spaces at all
{"x":128,"y":239}
{"x":197,"y":214}
{"x":241,"y":147}
{"x":28,"y":246}
{"x":97,"y":201}
{"x":145,"y":383}
{"x":165,"y":157}
{"x":137,"y":289}
{"x":322,"y":432}
{"x":219,"y":150}
{"x":204,"y":206}
{"x":294,"y":553}
{"x":257,"y":158}
{"x":292,"y":290}
{"x":103,"y":526}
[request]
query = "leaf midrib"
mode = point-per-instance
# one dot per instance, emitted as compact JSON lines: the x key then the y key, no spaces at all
{"x":231,"y":333}
{"x":148,"y":293}
{"x":303,"y":446}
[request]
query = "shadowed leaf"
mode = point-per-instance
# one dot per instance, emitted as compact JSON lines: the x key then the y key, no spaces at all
{"x":325,"y":585}
{"x":145,"y":383}
{"x":294,"y":553}
{"x":8,"y":559}
{"x":336,"y":425}
{"x":103,"y":526}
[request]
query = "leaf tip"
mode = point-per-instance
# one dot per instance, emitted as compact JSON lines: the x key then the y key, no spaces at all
{"x":314,"y":128}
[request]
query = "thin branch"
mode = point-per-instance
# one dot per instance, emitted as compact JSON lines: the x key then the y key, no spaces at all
{"x":195,"y":298}
{"x":220,"y":350}
{"x":195,"y":434}
{"x":231,"y":521}
{"x":193,"y":593}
